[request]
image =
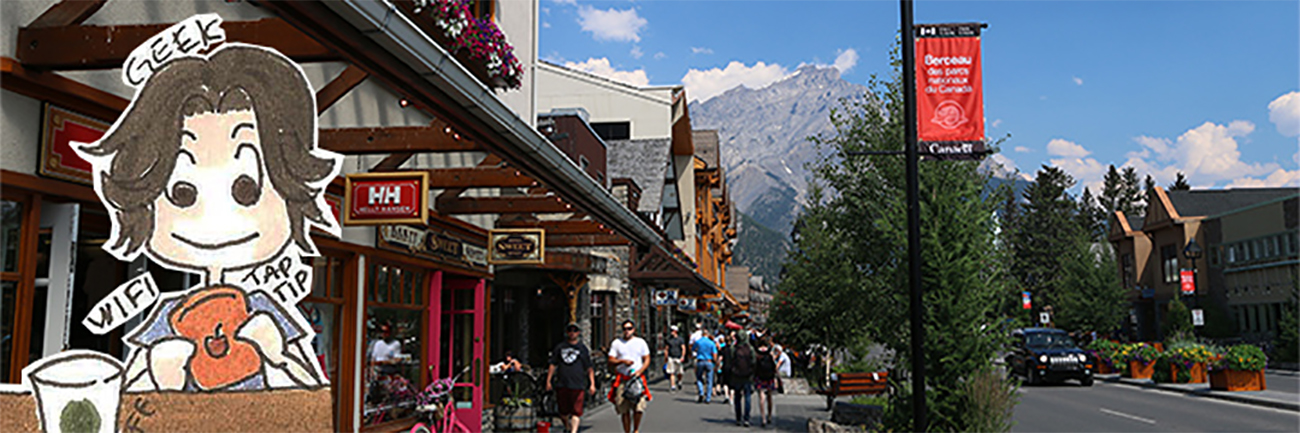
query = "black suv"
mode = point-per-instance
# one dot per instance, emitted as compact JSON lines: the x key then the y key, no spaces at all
{"x":1047,"y":355}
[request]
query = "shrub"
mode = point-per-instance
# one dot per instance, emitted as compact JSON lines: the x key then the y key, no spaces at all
{"x":990,"y":399}
{"x":1243,"y":357}
{"x":1182,"y":354}
{"x":1105,"y":351}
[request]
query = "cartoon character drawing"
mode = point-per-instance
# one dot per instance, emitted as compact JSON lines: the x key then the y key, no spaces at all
{"x":214,"y":169}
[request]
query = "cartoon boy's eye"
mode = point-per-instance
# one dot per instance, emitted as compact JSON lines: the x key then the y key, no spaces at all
{"x":183,"y":194}
{"x":245,"y":191}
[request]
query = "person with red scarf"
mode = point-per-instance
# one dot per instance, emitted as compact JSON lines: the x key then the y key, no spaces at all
{"x":630,"y":356}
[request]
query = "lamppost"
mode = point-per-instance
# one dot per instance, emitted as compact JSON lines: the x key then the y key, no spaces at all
{"x":1192,"y":252}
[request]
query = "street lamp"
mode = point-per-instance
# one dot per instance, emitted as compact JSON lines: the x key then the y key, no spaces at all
{"x":1192,"y":252}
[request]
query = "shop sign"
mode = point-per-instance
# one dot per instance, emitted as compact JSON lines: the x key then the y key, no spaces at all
{"x":516,"y":246}
{"x":1188,"y":281}
{"x":475,"y":255}
{"x":686,"y":305}
{"x":386,"y":198}
{"x":429,"y":243}
{"x":61,"y":129}
{"x":949,"y":91}
{"x":666,"y":297}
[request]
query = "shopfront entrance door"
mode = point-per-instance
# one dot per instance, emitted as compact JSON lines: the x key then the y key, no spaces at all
{"x":459,"y":302}
{"x":56,"y":269}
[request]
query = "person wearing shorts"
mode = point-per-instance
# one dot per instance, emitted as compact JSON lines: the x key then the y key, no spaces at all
{"x":674,"y":355}
{"x":630,"y":356}
{"x":571,"y":375}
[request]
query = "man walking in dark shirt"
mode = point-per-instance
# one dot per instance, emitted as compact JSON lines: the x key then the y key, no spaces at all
{"x":674,"y":356}
{"x":572,"y":361}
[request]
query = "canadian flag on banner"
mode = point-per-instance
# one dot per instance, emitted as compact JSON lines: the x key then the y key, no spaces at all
{"x":949,"y":91}
{"x":1024,"y":301}
{"x":1188,"y":280}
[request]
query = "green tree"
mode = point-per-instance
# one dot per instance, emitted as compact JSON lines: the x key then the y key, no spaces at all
{"x":864,"y":213}
{"x":1048,"y":222}
{"x":1178,"y":319}
{"x":1180,"y":183}
{"x":1092,"y":217}
{"x":1134,"y":201}
{"x":1287,"y":342}
{"x":1092,"y":298}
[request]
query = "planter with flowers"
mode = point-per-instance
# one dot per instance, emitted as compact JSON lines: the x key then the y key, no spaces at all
{"x":475,"y":42}
{"x":1141,"y":359}
{"x":1183,"y":363}
{"x":1241,"y":368}
{"x":1104,"y":351}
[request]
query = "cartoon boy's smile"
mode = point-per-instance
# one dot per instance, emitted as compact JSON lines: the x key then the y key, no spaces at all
{"x":216,"y":246}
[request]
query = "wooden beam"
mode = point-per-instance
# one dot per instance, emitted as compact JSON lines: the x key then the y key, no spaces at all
{"x":449,"y":194}
{"x":585,"y":240}
{"x":392,"y":162}
{"x":339,"y":86}
{"x":360,"y":141}
{"x":470,"y":177}
{"x":60,"y":90}
{"x":106,"y":47}
{"x":67,"y":13}
{"x":501,"y":205}
{"x":563,"y":227}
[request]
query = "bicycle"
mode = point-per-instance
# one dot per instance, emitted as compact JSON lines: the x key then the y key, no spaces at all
{"x":436,"y":407}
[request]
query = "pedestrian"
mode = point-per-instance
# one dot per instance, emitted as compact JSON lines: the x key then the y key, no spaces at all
{"x":765,"y":378}
{"x":674,"y":355}
{"x":706,"y":361}
{"x":720,"y":385}
{"x":572,"y":361}
{"x":783,"y":367}
{"x":630,"y":356}
{"x":740,"y":375}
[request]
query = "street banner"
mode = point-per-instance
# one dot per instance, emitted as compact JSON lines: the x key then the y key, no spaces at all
{"x":949,"y":91}
{"x":1198,"y":317}
{"x":686,"y":305}
{"x":1025,"y":302}
{"x":666,"y":297}
{"x":1188,"y":280}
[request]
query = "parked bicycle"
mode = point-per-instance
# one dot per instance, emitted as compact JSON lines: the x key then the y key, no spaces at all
{"x":436,"y":407}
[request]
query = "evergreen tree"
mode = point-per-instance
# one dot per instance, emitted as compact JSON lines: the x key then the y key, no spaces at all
{"x":863,"y":212}
{"x":1048,"y":223}
{"x":1091,"y":298}
{"x":1287,"y":342}
{"x":1092,"y":218}
{"x":1180,"y":183}
{"x":1178,"y":319}
{"x":1149,"y":188}
{"x":1112,"y":191}
{"x":1134,"y":201}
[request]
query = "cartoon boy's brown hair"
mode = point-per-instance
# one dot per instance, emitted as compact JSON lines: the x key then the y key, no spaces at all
{"x":145,"y":142}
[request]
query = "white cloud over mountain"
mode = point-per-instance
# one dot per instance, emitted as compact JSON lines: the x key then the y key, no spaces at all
{"x":846,"y":60}
{"x":602,"y":68}
{"x":1071,"y":157}
{"x":611,"y":24}
{"x":704,"y":84}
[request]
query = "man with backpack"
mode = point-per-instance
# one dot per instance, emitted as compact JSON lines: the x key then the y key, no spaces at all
{"x":765,"y":378}
{"x":740,"y":369}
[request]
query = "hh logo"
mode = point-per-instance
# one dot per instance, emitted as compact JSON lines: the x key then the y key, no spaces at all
{"x":385,"y":194}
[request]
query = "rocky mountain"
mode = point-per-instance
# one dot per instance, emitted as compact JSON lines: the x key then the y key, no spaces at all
{"x":763,"y":135}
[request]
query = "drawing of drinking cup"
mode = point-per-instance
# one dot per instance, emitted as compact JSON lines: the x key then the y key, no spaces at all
{"x":77,"y":391}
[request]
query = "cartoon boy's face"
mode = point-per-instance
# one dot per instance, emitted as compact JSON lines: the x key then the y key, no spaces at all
{"x":219,"y":209}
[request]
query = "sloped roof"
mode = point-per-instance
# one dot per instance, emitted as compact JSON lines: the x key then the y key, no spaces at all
{"x":643,"y":161}
{"x":1207,"y":202}
{"x":706,"y":146}
{"x":1134,"y":222}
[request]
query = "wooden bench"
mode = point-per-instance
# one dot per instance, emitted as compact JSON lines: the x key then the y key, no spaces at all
{"x":854,"y":384}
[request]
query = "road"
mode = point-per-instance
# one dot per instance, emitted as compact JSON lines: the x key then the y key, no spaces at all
{"x":1110,"y":407}
{"x":1288,"y":383}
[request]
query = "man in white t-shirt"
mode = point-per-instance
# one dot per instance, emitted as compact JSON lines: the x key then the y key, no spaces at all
{"x":386,"y":351}
{"x":630,"y":356}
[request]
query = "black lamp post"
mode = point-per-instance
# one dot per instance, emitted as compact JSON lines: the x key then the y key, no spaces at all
{"x":1192,"y":252}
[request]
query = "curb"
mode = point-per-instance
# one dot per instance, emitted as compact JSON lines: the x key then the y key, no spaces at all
{"x":1293,"y":406}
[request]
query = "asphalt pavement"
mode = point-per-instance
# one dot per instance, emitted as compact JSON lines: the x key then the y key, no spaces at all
{"x":1112,"y":406}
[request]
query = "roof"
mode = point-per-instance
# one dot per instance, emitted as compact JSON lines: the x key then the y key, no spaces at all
{"x":706,"y":146}
{"x":643,"y":161}
{"x":1134,"y":222}
{"x":1206,"y":202}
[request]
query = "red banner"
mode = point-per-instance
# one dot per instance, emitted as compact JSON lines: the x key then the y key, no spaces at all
{"x":1188,"y":280}
{"x":949,"y":96}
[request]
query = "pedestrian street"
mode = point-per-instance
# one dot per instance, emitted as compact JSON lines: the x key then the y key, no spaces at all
{"x":677,"y":411}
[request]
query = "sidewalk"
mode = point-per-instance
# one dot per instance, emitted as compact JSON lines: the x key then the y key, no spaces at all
{"x":1268,"y":398}
{"x":678,"y":412}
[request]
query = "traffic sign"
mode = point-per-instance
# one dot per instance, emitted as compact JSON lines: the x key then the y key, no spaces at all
{"x":1044,"y":318}
{"x":1198,"y":317}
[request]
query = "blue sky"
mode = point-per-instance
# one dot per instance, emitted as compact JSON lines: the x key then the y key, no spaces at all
{"x":1209,"y":88}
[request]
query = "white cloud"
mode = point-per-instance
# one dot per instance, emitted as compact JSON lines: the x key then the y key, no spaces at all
{"x":1023,"y":149}
{"x":1066,"y":148}
{"x":846,"y":59}
{"x":701,"y":50}
{"x":999,"y":165}
{"x":1077,"y":81}
{"x":1207,"y":154}
{"x":660,"y":55}
{"x":566,"y":2}
{"x":1276,"y":179}
{"x":636,"y":52}
{"x":702,"y":85}
{"x":546,"y":25}
{"x":997,"y":123}
{"x":612,"y":24}
{"x":602,"y":68}
{"x":1285,"y":113}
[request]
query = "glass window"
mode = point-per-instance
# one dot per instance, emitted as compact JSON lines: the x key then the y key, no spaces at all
{"x":1169,"y":259}
{"x":394,"y":343}
{"x":8,"y":296}
{"x":11,"y":223}
{"x":322,"y":309}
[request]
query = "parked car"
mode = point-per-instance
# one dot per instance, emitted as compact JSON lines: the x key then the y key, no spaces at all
{"x":1048,"y":355}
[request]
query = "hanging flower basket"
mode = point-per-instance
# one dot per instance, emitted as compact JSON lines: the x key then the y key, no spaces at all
{"x":477,"y":44}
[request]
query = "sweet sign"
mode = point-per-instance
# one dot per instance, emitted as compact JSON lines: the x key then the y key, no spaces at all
{"x":516,"y":246}
{"x":949,"y":91}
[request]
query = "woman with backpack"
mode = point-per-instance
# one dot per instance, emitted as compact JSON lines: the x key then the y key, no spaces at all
{"x":740,"y":369}
{"x":765,"y":378}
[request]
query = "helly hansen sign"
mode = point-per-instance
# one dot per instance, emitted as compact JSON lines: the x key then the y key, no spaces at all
{"x":386,"y":198}
{"x":949,"y":91}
